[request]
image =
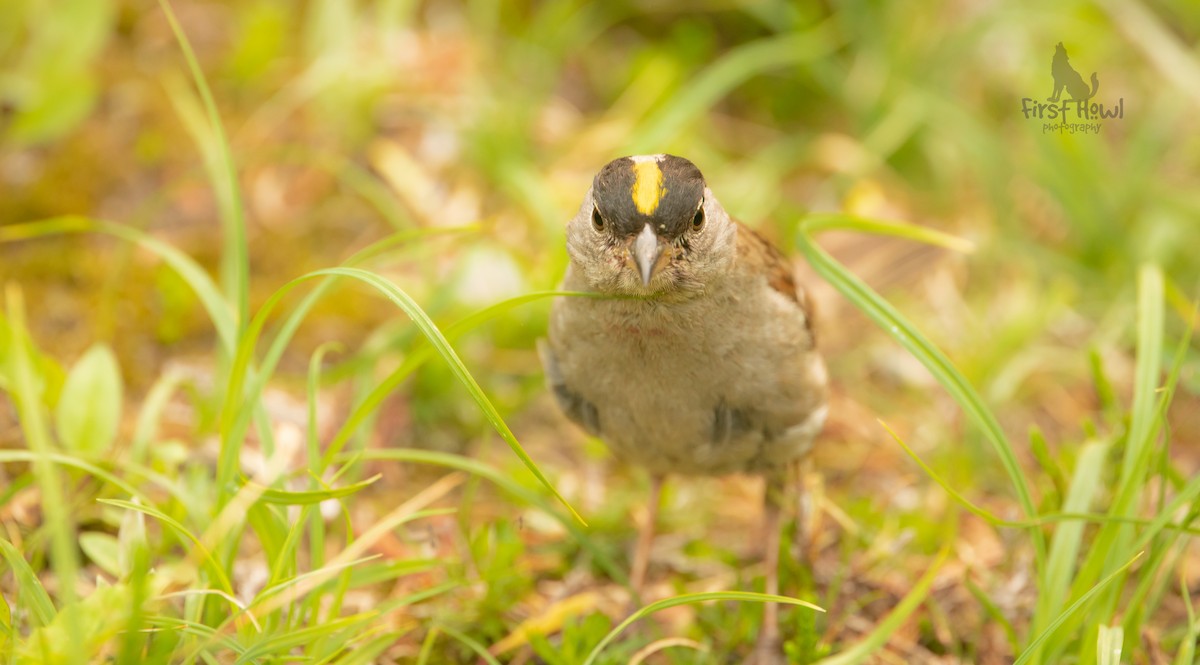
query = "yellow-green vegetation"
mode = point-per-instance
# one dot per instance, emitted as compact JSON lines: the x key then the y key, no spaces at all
{"x":273,"y":273}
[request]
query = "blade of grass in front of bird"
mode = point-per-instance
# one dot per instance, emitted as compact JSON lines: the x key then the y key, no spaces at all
{"x":878,"y":637}
{"x":413,"y":360}
{"x":689,"y":599}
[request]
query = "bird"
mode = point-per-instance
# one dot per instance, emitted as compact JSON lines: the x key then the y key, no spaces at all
{"x":697,"y":355}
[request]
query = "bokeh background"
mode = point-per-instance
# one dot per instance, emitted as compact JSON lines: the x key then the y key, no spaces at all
{"x":472,"y":129}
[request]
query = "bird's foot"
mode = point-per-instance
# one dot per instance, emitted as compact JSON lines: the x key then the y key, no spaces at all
{"x":768,"y":651}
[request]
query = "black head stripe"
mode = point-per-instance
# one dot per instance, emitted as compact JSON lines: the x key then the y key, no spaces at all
{"x":682,"y":185}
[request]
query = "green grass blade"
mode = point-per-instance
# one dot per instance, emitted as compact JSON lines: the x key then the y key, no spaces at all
{"x":286,"y":331}
{"x":231,"y":414}
{"x":309,"y":497}
{"x":1031,"y":650}
{"x":195,"y":629}
{"x":892,"y":322}
{"x":1144,"y":413}
{"x":284,"y":641}
{"x":213,"y":565}
{"x":188,"y":270}
{"x":954,"y":494}
{"x":28,"y":585}
{"x":81,"y":464}
{"x":366,"y":654}
{"x":235,"y":262}
{"x":878,"y":637}
{"x":1187,"y":646}
{"x":1115,"y":541}
{"x":58,"y":519}
{"x":419,"y":356}
{"x":1068,"y":537}
{"x":471,"y":643}
{"x":146,"y":429}
{"x":688,"y":599}
{"x":509,"y":485}
{"x":732,"y":69}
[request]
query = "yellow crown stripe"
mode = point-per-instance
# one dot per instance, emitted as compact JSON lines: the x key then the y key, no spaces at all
{"x":647,"y":186}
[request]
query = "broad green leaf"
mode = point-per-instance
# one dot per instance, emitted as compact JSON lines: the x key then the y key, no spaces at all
{"x":131,"y":541}
{"x":102,"y":549}
{"x":52,"y":83}
{"x":47,"y":375}
{"x":1108,"y":645}
{"x":90,"y":408}
{"x":81,"y":631}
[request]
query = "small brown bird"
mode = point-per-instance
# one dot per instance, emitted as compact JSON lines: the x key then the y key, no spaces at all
{"x":702,"y":361}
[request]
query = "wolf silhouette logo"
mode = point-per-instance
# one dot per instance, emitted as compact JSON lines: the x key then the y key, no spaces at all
{"x":1066,"y":78}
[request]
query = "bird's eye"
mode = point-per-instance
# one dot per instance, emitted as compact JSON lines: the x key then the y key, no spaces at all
{"x":597,"y":220}
{"x":698,"y":219}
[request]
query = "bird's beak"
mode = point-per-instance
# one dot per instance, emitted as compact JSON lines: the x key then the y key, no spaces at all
{"x":645,"y":250}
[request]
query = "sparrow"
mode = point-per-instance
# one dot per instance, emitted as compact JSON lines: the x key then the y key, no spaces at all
{"x":698,"y":355}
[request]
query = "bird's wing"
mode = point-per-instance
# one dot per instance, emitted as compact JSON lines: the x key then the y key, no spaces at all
{"x":575,"y":407}
{"x":755,"y":249}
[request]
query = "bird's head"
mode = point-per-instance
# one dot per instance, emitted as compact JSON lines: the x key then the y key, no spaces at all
{"x":649,"y":225}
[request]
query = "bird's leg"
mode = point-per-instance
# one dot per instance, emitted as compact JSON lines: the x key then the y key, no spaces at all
{"x":769,"y":648}
{"x":641,"y":552}
{"x":802,"y":542}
